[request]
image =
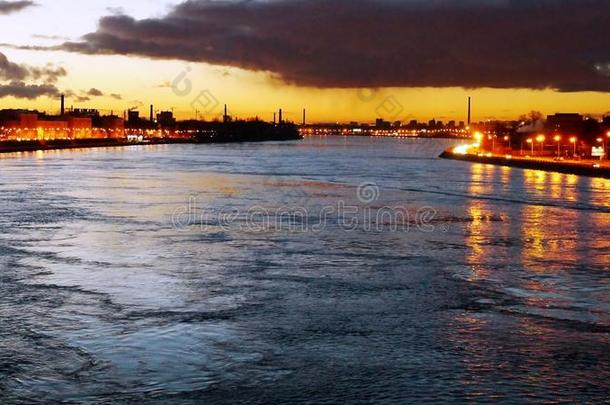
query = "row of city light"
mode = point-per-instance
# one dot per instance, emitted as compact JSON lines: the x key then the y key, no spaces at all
{"x":379,"y":132}
{"x":9,"y":130}
{"x":4,"y":129}
{"x":43,"y":133}
{"x":478,"y":136}
{"x":541,"y":138}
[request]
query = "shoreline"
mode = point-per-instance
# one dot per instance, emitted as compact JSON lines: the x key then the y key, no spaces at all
{"x":565,"y":167}
{"x":392,"y":137}
{"x":34,"y":146}
{"x":7,"y":147}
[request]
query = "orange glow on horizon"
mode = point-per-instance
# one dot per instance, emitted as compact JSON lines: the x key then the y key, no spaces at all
{"x":142,"y":82}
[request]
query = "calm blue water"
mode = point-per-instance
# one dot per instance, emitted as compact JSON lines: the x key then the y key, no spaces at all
{"x":326,"y":270}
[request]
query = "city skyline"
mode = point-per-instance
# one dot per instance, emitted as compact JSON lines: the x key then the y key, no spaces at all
{"x":65,"y":52}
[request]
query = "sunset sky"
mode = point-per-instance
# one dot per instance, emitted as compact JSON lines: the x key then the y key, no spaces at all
{"x":343,"y":60}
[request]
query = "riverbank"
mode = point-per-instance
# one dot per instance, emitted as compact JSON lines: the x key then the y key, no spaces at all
{"x":194,"y":132}
{"x":32,"y":146}
{"x":440,"y":136}
{"x":579,"y":168}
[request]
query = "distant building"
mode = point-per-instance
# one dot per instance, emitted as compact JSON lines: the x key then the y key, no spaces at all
{"x":113,"y":125}
{"x":81,"y":127}
{"x":84,"y":112}
{"x":25,"y":125}
{"x":32,"y":125}
{"x":166,"y":119}
{"x":565,"y":123}
{"x":135,"y":122}
{"x":380,"y":123}
{"x":133,"y":116}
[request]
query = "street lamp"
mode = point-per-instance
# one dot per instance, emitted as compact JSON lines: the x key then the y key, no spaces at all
{"x":531,"y":142}
{"x":573,"y":141}
{"x":478,"y":137}
{"x":492,"y":138}
{"x":601,"y":140}
{"x":541,"y":139}
{"x":558,"y":140}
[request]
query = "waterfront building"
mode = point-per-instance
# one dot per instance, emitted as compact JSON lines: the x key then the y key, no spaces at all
{"x":166,"y":119}
{"x":567,"y":123}
{"x":23,"y":125}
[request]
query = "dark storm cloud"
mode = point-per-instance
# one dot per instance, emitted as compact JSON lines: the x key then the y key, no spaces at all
{"x":8,"y":7}
{"x":563,"y":44}
{"x":49,"y":73}
{"x":86,"y":95}
{"x":30,"y":91}
{"x":95,"y":92}
{"x":10,"y":70}
{"x":15,"y":76}
{"x":82,"y":97}
{"x":13,"y":71}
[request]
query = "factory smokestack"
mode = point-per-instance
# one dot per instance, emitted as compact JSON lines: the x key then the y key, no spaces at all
{"x":304,"y":116}
{"x":63,"y":104}
{"x":275,"y":118}
{"x":281,"y":118}
{"x":152,"y":113}
{"x":225,"y":117}
{"x":469,"y":110}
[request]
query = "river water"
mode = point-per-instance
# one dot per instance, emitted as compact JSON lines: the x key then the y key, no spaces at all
{"x":325,"y":270}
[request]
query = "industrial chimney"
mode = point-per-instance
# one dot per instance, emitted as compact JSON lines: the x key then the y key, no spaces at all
{"x":225,"y":117}
{"x":63,"y":105}
{"x":304,"y":116}
{"x":469,"y":110}
{"x":152,"y":113}
{"x":281,"y":119}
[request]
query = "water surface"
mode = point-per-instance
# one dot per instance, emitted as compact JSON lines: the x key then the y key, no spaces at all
{"x":226,"y":273}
